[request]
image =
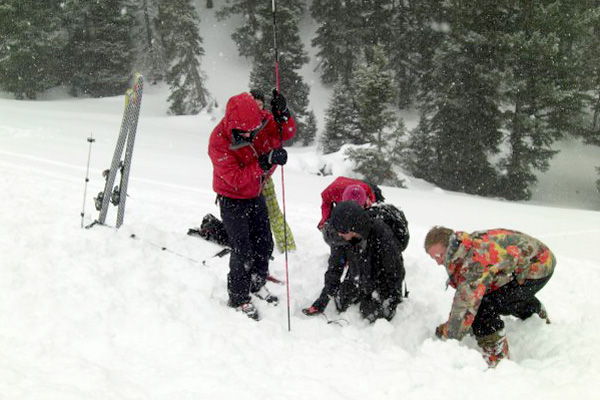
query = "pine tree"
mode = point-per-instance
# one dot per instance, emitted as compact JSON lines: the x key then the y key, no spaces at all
{"x":587,"y":49}
{"x":542,"y":88}
{"x":31,"y":37}
{"x":178,"y":22}
{"x":98,"y":54}
{"x":310,"y":129}
{"x":374,"y":97}
{"x":339,"y":37}
{"x":377,"y":165}
{"x":150,"y":57}
{"x":247,"y":34}
{"x":359,"y":111}
{"x":407,"y":30}
{"x":373,"y":166}
{"x":460,"y":121}
{"x":373,"y":81}
{"x":398,"y":143}
{"x":419,"y":156}
{"x":416,"y":29}
{"x":506,"y":75}
{"x":341,"y":120}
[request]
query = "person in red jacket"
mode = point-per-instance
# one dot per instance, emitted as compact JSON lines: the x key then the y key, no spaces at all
{"x":355,"y":190}
{"x":334,"y":192}
{"x":245,"y":147}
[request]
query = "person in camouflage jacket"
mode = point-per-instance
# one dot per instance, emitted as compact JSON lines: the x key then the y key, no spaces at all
{"x":495,"y":272}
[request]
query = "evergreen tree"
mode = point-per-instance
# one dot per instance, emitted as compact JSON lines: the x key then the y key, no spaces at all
{"x":407,"y":30}
{"x":359,"y":110}
{"x":419,"y":156}
{"x":588,"y":51}
{"x":247,"y":34}
{"x":598,"y":181}
{"x":506,"y":75}
{"x":255,"y":40}
{"x":460,"y":120}
{"x":542,"y":87}
{"x":31,"y":38}
{"x":374,"y":97}
{"x":310,"y":132}
{"x":373,"y":83}
{"x":350,"y":29}
{"x":377,"y":165}
{"x":150,"y":57}
{"x":398,"y":143}
{"x":178,"y":22}
{"x":338,"y":37}
{"x":341,"y":120}
{"x":416,"y":29}
{"x":373,"y":166}
{"x":98,"y":54}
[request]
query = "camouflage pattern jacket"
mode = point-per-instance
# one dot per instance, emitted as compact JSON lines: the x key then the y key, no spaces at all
{"x":483,"y":261}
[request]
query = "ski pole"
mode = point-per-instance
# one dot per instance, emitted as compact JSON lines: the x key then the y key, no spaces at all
{"x":220,"y":254}
{"x":275,"y":46}
{"x":162,"y":248}
{"x":87,"y":176}
{"x":287,"y":277}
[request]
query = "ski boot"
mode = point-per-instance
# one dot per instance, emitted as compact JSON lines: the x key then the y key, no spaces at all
{"x":495,"y":347}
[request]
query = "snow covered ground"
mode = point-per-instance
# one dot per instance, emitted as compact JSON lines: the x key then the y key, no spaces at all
{"x":95,"y":314}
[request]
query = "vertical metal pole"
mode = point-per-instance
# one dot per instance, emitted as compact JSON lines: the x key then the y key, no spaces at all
{"x":287,"y":275}
{"x":87,"y":176}
{"x":275,"y":46}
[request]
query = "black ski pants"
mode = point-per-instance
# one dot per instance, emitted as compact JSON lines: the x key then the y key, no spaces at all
{"x":349,"y":291}
{"x":511,"y":299}
{"x":382,"y":306}
{"x":247,"y":224}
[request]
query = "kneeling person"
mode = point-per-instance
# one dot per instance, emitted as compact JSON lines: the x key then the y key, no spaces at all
{"x":375,"y":266}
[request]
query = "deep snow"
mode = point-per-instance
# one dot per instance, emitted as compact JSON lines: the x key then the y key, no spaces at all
{"x":95,"y":314}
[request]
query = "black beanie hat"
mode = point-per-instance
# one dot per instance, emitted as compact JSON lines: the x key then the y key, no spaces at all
{"x":348,"y":216}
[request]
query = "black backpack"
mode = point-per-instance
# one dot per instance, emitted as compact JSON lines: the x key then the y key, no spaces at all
{"x":394,"y":218}
{"x":211,"y":229}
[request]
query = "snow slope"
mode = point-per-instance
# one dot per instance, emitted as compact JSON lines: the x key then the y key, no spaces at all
{"x":96,"y":314}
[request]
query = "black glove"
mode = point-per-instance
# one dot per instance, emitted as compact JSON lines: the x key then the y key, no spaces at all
{"x":279,"y":107}
{"x":331,"y":236}
{"x":275,"y":156}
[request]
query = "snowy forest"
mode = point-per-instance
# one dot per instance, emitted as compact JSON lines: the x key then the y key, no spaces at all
{"x":495,"y":82}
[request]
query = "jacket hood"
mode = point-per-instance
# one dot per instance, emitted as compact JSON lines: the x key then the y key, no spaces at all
{"x":348,"y":216}
{"x":243,"y":113}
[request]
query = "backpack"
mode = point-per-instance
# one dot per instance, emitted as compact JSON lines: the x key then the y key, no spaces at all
{"x":394,"y":218}
{"x":211,"y":229}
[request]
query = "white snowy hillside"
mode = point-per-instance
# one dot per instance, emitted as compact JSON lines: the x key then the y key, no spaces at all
{"x":95,"y":314}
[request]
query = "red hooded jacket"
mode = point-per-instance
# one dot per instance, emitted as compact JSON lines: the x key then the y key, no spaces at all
{"x":333,"y":195}
{"x":236,"y":171}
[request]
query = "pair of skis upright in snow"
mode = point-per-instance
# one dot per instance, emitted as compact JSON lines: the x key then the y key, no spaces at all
{"x":125,"y":141}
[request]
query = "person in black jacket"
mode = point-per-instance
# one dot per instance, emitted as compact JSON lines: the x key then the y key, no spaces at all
{"x":373,"y":256}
